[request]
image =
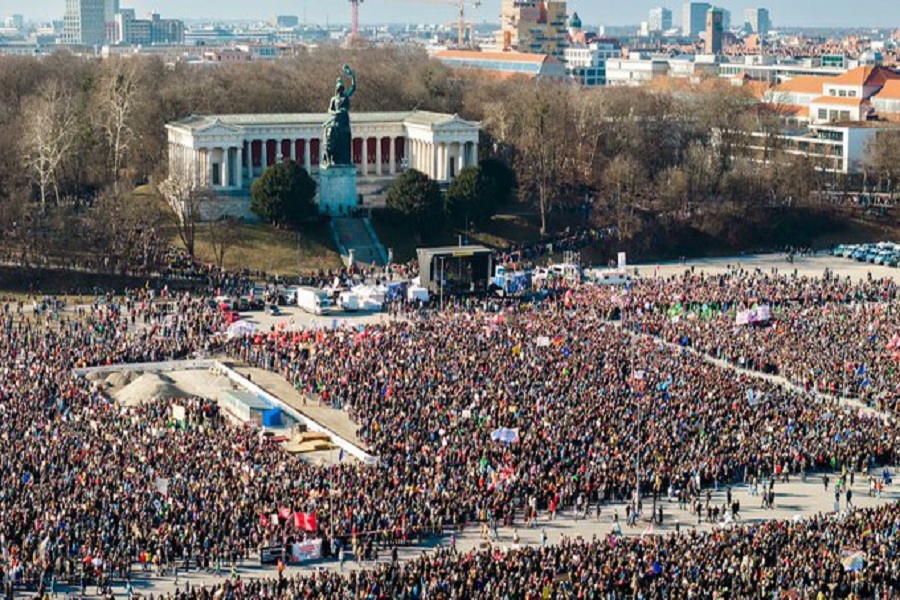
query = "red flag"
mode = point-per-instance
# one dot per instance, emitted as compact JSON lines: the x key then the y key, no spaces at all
{"x":305,"y":521}
{"x":284,"y":513}
{"x":264,"y":520}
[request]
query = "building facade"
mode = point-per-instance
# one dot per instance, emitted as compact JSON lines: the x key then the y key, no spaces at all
{"x":131,"y":31}
{"x":226,"y":153}
{"x":756,"y":20}
{"x":587,"y":66}
{"x":536,"y":26}
{"x":504,"y":64}
{"x":660,"y":20}
{"x":693,"y":18}
{"x":84,"y":23}
{"x":715,"y":29}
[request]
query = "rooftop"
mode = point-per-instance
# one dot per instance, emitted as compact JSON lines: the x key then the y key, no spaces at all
{"x":420,"y":117}
{"x":890,"y":91}
{"x":804,"y":84}
{"x":866,"y":76}
{"x":511,"y":56}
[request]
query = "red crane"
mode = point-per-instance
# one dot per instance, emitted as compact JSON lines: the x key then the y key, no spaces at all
{"x":354,"y":19}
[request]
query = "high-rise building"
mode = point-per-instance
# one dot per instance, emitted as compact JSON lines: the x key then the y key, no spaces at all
{"x":110,"y":8}
{"x":15,"y":22}
{"x":131,"y":31}
{"x":84,"y":23}
{"x":726,"y":18}
{"x":536,"y":26}
{"x":286,"y":21}
{"x":714,"y":31}
{"x":660,"y":20}
{"x":694,"y":18}
{"x":756,"y":20}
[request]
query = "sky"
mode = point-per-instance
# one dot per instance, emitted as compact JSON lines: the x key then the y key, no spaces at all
{"x":811,"y":13}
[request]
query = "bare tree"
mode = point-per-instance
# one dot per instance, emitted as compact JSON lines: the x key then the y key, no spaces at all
{"x":223,"y":234}
{"x":48,"y":133}
{"x":186,"y":198}
{"x":117,"y":99}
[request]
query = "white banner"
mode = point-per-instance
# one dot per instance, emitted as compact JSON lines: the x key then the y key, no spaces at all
{"x":760,"y":314}
{"x":306,"y":551}
{"x":623,"y":264}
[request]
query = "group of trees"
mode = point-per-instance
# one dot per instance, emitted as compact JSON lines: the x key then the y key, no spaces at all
{"x":472,"y":198}
{"x":75,"y":130}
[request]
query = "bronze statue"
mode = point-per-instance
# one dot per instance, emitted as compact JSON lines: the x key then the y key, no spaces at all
{"x":338,"y":142}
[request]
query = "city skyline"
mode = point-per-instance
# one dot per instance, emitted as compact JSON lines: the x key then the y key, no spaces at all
{"x":811,"y":13}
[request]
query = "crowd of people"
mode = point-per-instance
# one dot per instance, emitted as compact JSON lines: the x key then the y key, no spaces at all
{"x":829,"y":335}
{"x":597,"y":413}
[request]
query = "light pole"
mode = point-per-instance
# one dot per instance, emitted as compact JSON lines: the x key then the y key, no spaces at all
{"x":441,"y":259}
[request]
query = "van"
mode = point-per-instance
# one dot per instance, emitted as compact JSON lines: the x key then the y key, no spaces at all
{"x":610,"y":278}
{"x":348,"y":301}
{"x":313,"y":301}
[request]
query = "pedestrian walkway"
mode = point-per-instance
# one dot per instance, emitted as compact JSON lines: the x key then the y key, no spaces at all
{"x":356,"y":236}
{"x":335,"y":420}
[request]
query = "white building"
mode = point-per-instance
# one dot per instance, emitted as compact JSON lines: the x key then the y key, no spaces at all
{"x":587,"y":65}
{"x":226,"y":153}
{"x":833,"y":148}
{"x":84,"y":23}
{"x":660,"y":20}
{"x":634,"y":71}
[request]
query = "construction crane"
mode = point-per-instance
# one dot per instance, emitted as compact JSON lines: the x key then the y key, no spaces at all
{"x":461,"y":24}
{"x":354,"y":19}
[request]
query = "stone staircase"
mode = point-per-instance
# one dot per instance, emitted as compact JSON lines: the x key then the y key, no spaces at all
{"x":358,"y":236}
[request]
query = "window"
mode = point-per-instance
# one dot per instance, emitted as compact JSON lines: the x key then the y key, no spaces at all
{"x":823,"y":114}
{"x":852,"y":93}
{"x":845,"y":115}
{"x":216,"y":174}
{"x":842,"y":93}
{"x":832,"y":92}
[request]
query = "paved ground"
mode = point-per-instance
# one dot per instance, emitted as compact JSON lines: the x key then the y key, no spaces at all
{"x":812,"y":266}
{"x":295,"y":318}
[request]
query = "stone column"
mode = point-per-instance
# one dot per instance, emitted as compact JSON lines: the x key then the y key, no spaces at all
{"x":307,"y":155}
{"x":474,"y":154}
{"x":460,"y":157}
{"x":196,"y":176}
{"x":292,"y":151}
{"x":240,"y":167}
{"x":392,"y":168}
{"x":377,"y":155}
{"x":365,"y":156}
{"x":225,"y":169}
{"x":435,"y":162}
{"x":264,"y":159}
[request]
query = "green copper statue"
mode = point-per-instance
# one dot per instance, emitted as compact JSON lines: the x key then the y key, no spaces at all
{"x":338,"y":146}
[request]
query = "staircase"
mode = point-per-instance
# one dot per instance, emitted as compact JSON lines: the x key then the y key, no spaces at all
{"x":358,"y":236}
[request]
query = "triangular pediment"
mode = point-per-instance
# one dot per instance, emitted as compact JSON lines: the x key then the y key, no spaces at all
{"x":217,"y":127}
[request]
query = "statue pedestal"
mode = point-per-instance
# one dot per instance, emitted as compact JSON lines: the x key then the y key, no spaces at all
{"x":337,"y":190}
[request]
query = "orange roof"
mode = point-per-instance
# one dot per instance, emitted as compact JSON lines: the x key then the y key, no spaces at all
{"x":503,"y":56}
{"x":838,"y":100}
{"x":890,"y":91}
{"x":803,"y":84}
{"x":865,"y":76}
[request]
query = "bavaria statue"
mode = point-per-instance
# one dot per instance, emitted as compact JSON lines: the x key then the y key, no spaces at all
{"x":338,"y":143}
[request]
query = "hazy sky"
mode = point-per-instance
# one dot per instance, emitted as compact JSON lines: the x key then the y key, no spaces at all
{"x":855,"y":13}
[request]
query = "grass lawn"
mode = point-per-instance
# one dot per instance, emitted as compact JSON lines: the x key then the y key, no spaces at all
{"x":262,"y":247}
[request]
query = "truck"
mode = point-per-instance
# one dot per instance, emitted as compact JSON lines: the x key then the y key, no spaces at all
{"x":313,"y":301}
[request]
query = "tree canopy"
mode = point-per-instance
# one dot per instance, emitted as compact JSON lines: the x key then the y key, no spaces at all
{"x":470,"y":198}
{"x":416,"y":199}
{"x":284,"y":195}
